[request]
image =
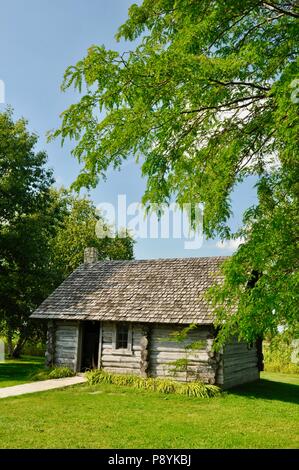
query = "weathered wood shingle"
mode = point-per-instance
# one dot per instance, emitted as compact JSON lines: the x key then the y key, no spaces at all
{"x":163,"y":290}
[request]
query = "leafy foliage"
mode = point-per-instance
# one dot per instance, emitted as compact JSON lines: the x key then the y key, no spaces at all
{"x":52,"y":373}
{"x":60,"y":372}
{"x":184,"y":364}
{"x":191,"y":389}
{"x":77,"y":230}
{"x":28,"y":215}
{"x":206,"y":98}
{"x":43,"y":233}
{"x":278,"y":352}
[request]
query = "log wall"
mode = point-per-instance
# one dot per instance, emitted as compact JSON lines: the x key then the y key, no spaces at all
{"x":66,"y":344}
{"x":132,"y":361}
{"x":240,"y":364}
{"x":200,"y":364}
{"x":152,"y":353}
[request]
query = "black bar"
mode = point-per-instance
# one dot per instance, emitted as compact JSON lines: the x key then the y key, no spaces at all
{"x":149,"y":458}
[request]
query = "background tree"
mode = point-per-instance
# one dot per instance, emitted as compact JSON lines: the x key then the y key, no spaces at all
{"x":207,"y":97}
{"x":27,"y":221}
{"x":43,"y":233}
{"x":77,"y":230}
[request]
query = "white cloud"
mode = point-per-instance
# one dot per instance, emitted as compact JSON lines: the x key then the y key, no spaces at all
{"x":229,"y":245}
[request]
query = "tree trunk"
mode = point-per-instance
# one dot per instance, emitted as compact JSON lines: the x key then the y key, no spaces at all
{"x":16,"y":353}
{"x":9,"y":345}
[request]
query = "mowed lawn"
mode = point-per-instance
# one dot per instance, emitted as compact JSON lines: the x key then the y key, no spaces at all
{"x":260,"y":415}
{"x":19,"y":371}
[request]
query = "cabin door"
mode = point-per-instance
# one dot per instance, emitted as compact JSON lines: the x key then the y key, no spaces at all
{"x":90,"y":345}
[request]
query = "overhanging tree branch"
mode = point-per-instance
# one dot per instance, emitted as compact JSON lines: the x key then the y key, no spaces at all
{"x":274,"y":6}
{"x":226,"y":106}
{"x":233,"y":83}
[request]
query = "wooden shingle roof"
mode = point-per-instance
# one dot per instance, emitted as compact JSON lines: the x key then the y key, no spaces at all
{"x":162,"y":290}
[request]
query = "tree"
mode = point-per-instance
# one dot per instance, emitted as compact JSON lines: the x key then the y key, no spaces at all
{"x":207,"y":97}
{"x":43,"y":233}
{"x":77,"y":230}
{"x":27,"y":220}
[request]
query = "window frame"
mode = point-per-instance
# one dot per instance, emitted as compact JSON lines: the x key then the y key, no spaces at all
{"x":128,"y":349}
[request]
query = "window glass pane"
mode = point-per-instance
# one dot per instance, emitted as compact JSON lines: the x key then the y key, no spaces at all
{"x":122,"y":333}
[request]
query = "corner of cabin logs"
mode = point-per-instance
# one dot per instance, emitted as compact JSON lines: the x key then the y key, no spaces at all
{"x":144,"y":342}
{"x":260,"y":356}
{"x":50,"y":352}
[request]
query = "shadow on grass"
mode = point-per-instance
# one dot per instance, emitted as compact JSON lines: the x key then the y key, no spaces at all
{"x":19,"y":371}
{"x":268,"y":390}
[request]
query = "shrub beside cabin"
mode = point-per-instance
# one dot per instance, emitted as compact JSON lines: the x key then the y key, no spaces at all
{"x":122,"y":315}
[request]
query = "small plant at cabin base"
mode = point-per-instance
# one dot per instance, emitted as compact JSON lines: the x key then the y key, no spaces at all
{"x":52,"y":373}
{"x":167,"y":386}
{"x":60,"y":372}
{"x":39,"y":375}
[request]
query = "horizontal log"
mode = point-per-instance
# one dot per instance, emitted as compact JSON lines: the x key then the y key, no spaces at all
{"x":63,"y":349}
{"x":170,"y":359}
{"x":229,"y":352}
{"x":122,"y":370}
{"x":109,"y":346}
{"x":120,"y":359}
{"x":66,"y":328}
{"x":239,"y":380}
{"x":158,"y":373}
{"x":66,"y":339}
{"x":66,"y":324}
{"x":64,"y":361}
{"x":173,"y":355}
{"x":62,"y":355}
{"x":171,"y":347}
{"x":110,"y":350}
{"x":157,"y":341}
{"x":241,"y":369}
{"x":236,"y":367}
{"x":239,"y":362}
{"x":237,"y":348}
{"x":135,"y":340}
{"x":206,"y":378}
{"x":194,"y":364}
{"x":66,"y":344}
{"x":239,"y":358}
{"x":107,"y":334}
{"x":162,"y":369}
{"x":241,"y":373}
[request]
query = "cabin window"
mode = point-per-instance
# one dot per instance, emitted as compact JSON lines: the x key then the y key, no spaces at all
{"x":122,"y":336}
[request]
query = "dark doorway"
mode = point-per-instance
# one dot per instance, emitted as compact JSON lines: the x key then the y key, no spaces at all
{"x":90,"y":345}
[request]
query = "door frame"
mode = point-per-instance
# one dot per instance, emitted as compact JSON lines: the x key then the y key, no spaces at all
{"x":80,"y":344}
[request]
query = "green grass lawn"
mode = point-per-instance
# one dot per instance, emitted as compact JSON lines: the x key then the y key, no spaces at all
{"x":260,"y":415}
{"x":19,"y":371}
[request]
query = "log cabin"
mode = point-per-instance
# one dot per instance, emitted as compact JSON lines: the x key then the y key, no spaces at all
{"x":125,"y":316}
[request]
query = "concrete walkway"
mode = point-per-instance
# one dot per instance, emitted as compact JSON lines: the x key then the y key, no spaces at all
{"x":40,"y":386}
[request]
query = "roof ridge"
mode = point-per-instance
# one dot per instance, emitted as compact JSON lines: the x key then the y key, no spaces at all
{"x":187,"y":258}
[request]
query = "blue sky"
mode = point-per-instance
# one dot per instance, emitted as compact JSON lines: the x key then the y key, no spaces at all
{"x":39,"y":39}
